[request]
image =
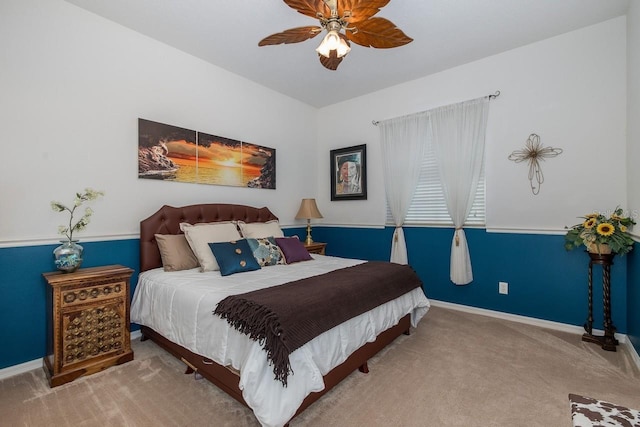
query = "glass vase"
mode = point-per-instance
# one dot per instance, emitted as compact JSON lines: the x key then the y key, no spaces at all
{"x":68,"y":256}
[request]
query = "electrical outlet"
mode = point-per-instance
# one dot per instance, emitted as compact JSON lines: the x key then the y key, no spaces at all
{"x":503,"y":288}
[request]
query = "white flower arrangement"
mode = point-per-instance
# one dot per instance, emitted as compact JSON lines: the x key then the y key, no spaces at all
{"x":68,"y":230}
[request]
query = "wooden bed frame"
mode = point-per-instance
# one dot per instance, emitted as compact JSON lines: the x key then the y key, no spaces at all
{"x":167,"y":221}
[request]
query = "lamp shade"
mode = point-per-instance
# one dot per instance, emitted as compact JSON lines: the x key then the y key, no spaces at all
{"x":308,"y":209}
{"x":333,"y":41}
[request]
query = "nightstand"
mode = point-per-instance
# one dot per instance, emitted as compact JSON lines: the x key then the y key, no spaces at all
{"x":88,"y":322}
{"x":316,"y":248}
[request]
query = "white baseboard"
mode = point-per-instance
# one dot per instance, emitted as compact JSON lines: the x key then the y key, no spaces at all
{"x":633,"y":352}
{"x":36,"y":364}
{"x":622,"y":338}
{"x":20,"y":369}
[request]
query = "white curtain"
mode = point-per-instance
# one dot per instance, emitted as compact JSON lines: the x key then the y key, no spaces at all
{"x":458,"y":143}
{"x":403,"y":141}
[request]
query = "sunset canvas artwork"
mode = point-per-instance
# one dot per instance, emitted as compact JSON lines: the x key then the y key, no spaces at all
{"x":176,"y":154}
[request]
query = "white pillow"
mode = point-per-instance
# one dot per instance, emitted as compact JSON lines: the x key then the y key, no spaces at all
{"x":200,"y":235}
{"x":260,"y":230}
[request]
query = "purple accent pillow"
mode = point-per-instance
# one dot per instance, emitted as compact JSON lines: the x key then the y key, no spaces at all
{"x":293,"y":249}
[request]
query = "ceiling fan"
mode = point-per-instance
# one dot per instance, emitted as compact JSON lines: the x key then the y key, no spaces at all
{"x":354,"y":17}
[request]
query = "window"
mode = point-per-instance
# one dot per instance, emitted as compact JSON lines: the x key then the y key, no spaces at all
{"x":428,"y":206}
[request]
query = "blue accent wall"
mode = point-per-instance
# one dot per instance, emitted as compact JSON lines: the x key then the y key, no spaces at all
{"x":633,"y":298}
{"x":23,"y":290}
{"x":545,"y":281}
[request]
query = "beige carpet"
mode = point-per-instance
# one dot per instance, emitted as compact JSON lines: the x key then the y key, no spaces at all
{"x":456,"y":369}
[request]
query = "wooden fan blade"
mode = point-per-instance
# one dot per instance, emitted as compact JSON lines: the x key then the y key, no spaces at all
{"x":332,"y":62}
{"x":309,"y":7}
{"x":379,"y":33}
{"x":361,"y":10}
{"x":293,"y":35}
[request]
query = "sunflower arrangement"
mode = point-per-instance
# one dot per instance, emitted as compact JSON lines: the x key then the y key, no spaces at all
{"x":602,"y":234}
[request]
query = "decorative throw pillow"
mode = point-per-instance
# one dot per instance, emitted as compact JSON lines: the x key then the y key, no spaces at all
{"x":234,"y":257}
{"x":200,"y":235}
{"x":257,"y":230}
{"x":266,"y":251}
{"x":175,"y":252}
{"x":293,"y":249}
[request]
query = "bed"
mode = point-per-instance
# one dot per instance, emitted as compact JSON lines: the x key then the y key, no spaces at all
{"x":174,"y":309}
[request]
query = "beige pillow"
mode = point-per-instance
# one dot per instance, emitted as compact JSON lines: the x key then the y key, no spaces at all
{"x":260,"y":230}
{"x":175,"y":252}
{"x":200,"y":235}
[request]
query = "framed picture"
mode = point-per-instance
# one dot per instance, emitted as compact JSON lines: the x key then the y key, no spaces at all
{"x":172,"y":153}
{"x":349,"y":173}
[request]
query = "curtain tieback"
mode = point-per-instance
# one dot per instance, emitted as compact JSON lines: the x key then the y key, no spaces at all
{"x":395,"y":235}
{"x":458,"y":237}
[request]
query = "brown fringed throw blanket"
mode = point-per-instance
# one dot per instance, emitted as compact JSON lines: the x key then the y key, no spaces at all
{"x":285,"y":317}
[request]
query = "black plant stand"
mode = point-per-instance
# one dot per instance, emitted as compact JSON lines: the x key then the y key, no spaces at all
{"x":607,"y":341}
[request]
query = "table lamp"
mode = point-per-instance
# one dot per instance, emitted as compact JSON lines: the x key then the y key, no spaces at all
{"x":308,"y":209}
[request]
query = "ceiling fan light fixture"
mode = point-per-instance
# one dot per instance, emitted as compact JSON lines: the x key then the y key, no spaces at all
{"x":333,"y":41}
{"x":352,"y":22}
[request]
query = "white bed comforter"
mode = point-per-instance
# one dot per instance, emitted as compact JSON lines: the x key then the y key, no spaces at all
{"x":179,"y":305}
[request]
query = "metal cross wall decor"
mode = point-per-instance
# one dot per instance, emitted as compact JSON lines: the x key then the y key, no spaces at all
{"x":533,"y":153}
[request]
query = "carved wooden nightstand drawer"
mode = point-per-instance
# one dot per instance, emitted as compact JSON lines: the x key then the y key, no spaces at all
{"x":88,"y":322}
{"x":106,"y":290}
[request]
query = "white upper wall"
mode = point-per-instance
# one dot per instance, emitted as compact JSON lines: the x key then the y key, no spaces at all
{"x":73,"y":86}
{"x":633,"y":111}
{"x":570,"y":90}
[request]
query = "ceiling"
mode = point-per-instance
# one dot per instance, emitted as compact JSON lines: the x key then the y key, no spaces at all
{"x":446,"y":33}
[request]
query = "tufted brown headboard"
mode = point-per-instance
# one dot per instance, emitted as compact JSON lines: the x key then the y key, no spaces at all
{"x":168,"y":218}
